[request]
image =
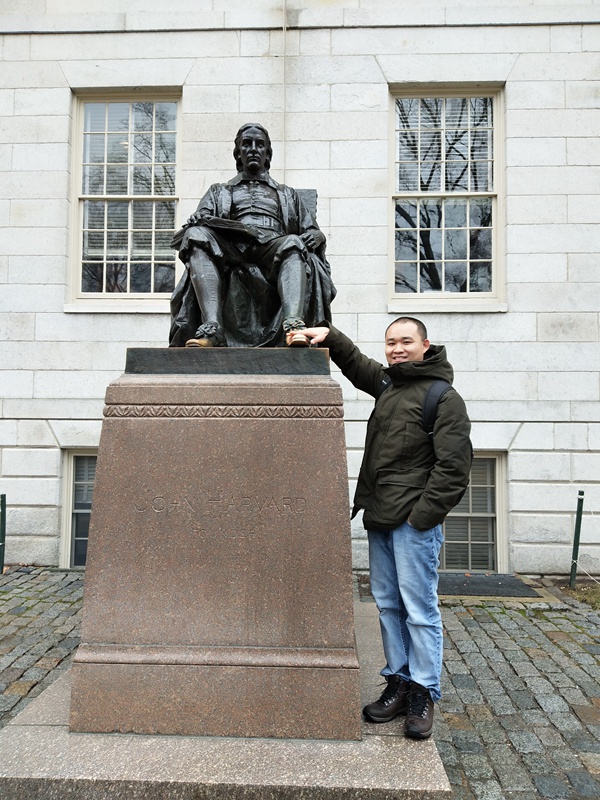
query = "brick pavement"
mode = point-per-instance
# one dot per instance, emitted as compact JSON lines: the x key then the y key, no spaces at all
{"x":520,"y":716}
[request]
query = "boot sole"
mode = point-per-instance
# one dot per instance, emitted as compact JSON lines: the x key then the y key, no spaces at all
{"x":369,"y":718}
{"x":418,"y":734}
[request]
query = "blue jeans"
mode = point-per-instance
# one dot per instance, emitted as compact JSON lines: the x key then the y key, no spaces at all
{"x":404,"y":582}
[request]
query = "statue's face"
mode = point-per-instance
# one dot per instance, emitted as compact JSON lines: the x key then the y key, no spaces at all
{"x":253,"y":150}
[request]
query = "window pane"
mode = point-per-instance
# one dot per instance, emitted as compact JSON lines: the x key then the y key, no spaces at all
{"x":118,"y":215}
{"x":93,"y":214}
{"x":408,"y":177}
{"x":407,"y":112}
{"x":92,"y":277}
{"x":480,"y":277}
{"x":480,"y":212}
{"x":142,"y":214}
{"x":94,"y":117}
{"x":431,"y":177}
{"x":162,"y":246}
{"x":164,"y":180}
{"x":408,"y":147}
{"x":406,"y":245}
{"x":165,"y":147}
{"x":430,"y":213}
{"x":116,"y":245}
{"x":456,"y":213}
{"x":142,"y":246}
{"x":431,"y":245}
{"x":142,"y":180}
{"x":93,"y":180}
{"x":141,"y":276}
{"x":79,"y":552}
{"x":93,"y":245}
{"x":431,"y":277}
{"x":455,"y":277}
{"x":116,"y":180}
{"x":142,"y":148}
{"x":431,"y":112}
{"x":118,"y":117}
{"x":481,"y":176}
{"x":166,"y":116}
{"x":456,"y":244}
{"x":406,"y":277}
{"x":406,"y":215}
{"x":93,"y":148}
{"x":116,"y":277}
{"x":457,"y":176}
{"x":164,"y":278}
{"x":457,"y":146}
{"x":143,"y":114}
{"x":165,"y":215}
{"x":481,"y":112}
{"x":457,"y":555}
{"x":431,"y":146}
{"x":85,"y":468}
{"x":117,"y":151}
{"x":480,"y":243}
{"x":457,"y":112}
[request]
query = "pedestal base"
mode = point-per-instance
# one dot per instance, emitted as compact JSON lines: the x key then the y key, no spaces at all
{"x":218,"y":590}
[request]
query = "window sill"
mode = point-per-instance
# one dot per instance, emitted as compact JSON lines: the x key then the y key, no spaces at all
{"x":120,"y":307}
{"x":428,"y":305}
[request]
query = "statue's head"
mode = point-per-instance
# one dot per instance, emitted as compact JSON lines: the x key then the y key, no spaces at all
{"x":243,"y":131}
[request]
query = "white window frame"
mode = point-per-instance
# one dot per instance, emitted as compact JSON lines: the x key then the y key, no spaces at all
{"x":76,"y":300}
{"x":66,"y":537}
{"x":399,"y":303}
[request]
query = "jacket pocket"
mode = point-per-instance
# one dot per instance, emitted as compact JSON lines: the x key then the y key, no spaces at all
{"x":415,"y":478}
{"x":395,"y":494}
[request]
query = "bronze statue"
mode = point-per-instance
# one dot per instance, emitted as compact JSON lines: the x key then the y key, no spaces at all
{"x":256,"y":272}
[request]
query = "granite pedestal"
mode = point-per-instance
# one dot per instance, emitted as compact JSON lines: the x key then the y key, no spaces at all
{"x":218,"y":589}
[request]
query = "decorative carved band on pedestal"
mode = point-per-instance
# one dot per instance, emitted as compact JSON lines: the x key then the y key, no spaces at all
{"x":229,"y":411}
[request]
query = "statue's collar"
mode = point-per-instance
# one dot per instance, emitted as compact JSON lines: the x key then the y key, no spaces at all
{"x":263,"y":177}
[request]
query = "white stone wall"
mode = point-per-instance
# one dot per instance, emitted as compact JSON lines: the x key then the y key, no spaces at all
{"x":529,"y":376}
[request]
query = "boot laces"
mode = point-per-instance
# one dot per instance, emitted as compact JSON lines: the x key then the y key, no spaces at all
{"x":417,"y":704}
{"x":390,"y":693}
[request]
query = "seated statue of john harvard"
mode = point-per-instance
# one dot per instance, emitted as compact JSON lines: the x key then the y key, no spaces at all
{"x":256,"y":272}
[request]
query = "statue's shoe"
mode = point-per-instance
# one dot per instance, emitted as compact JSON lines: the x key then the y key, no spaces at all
{"x":297,"y":339}
{"x":208,"y":335}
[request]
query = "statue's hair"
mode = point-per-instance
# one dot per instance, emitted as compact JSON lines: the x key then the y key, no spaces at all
{"x":238,"y":141}
{"x":420,"y":326}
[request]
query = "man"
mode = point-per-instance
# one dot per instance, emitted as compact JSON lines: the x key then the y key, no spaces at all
{"x":255,"y":257}
{"x":408,"y":482}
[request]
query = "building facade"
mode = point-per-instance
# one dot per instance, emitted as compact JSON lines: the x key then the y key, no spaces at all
{"x":454,"y":148}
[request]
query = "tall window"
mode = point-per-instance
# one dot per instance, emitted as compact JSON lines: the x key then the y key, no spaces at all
{"x":445,"y":197}
{"x":470,"y":529}
{"x":127,"y":198}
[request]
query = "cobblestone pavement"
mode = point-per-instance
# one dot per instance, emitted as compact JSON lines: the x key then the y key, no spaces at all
{"x":520,"y":716}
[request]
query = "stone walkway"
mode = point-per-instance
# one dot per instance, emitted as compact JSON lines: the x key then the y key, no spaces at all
{"x":520,"y":716}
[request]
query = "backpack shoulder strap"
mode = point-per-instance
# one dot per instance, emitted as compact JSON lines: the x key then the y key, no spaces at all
{"x":385,"y":382}
{"x":434,"y":394}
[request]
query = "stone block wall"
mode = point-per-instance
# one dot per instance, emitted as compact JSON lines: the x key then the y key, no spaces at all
{"x":529,"y":375}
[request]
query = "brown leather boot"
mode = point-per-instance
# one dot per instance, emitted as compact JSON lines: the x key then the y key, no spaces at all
{"x":391,"y":703}
{"x":419,"y":716}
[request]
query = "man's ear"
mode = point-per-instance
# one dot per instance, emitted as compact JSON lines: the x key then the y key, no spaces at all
{"x":426,"y":344}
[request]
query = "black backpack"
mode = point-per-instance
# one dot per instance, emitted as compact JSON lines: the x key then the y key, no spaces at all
{"x":434,"y":394}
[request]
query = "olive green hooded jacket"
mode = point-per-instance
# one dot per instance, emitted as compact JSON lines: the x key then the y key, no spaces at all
{"x":405,"y":471}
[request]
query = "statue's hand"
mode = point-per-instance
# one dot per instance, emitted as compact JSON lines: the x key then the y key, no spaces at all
{"x":197,"y":217}
{"x":312,"y":239}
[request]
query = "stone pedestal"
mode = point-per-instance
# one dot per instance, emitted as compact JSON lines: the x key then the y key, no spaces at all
{"x":218,"y":591}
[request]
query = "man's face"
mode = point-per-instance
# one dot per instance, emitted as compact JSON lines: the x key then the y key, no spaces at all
{"x":403,"y":343}
{"x":253,"y":150}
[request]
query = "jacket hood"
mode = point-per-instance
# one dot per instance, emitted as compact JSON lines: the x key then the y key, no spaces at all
{"x":434,"y":366}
